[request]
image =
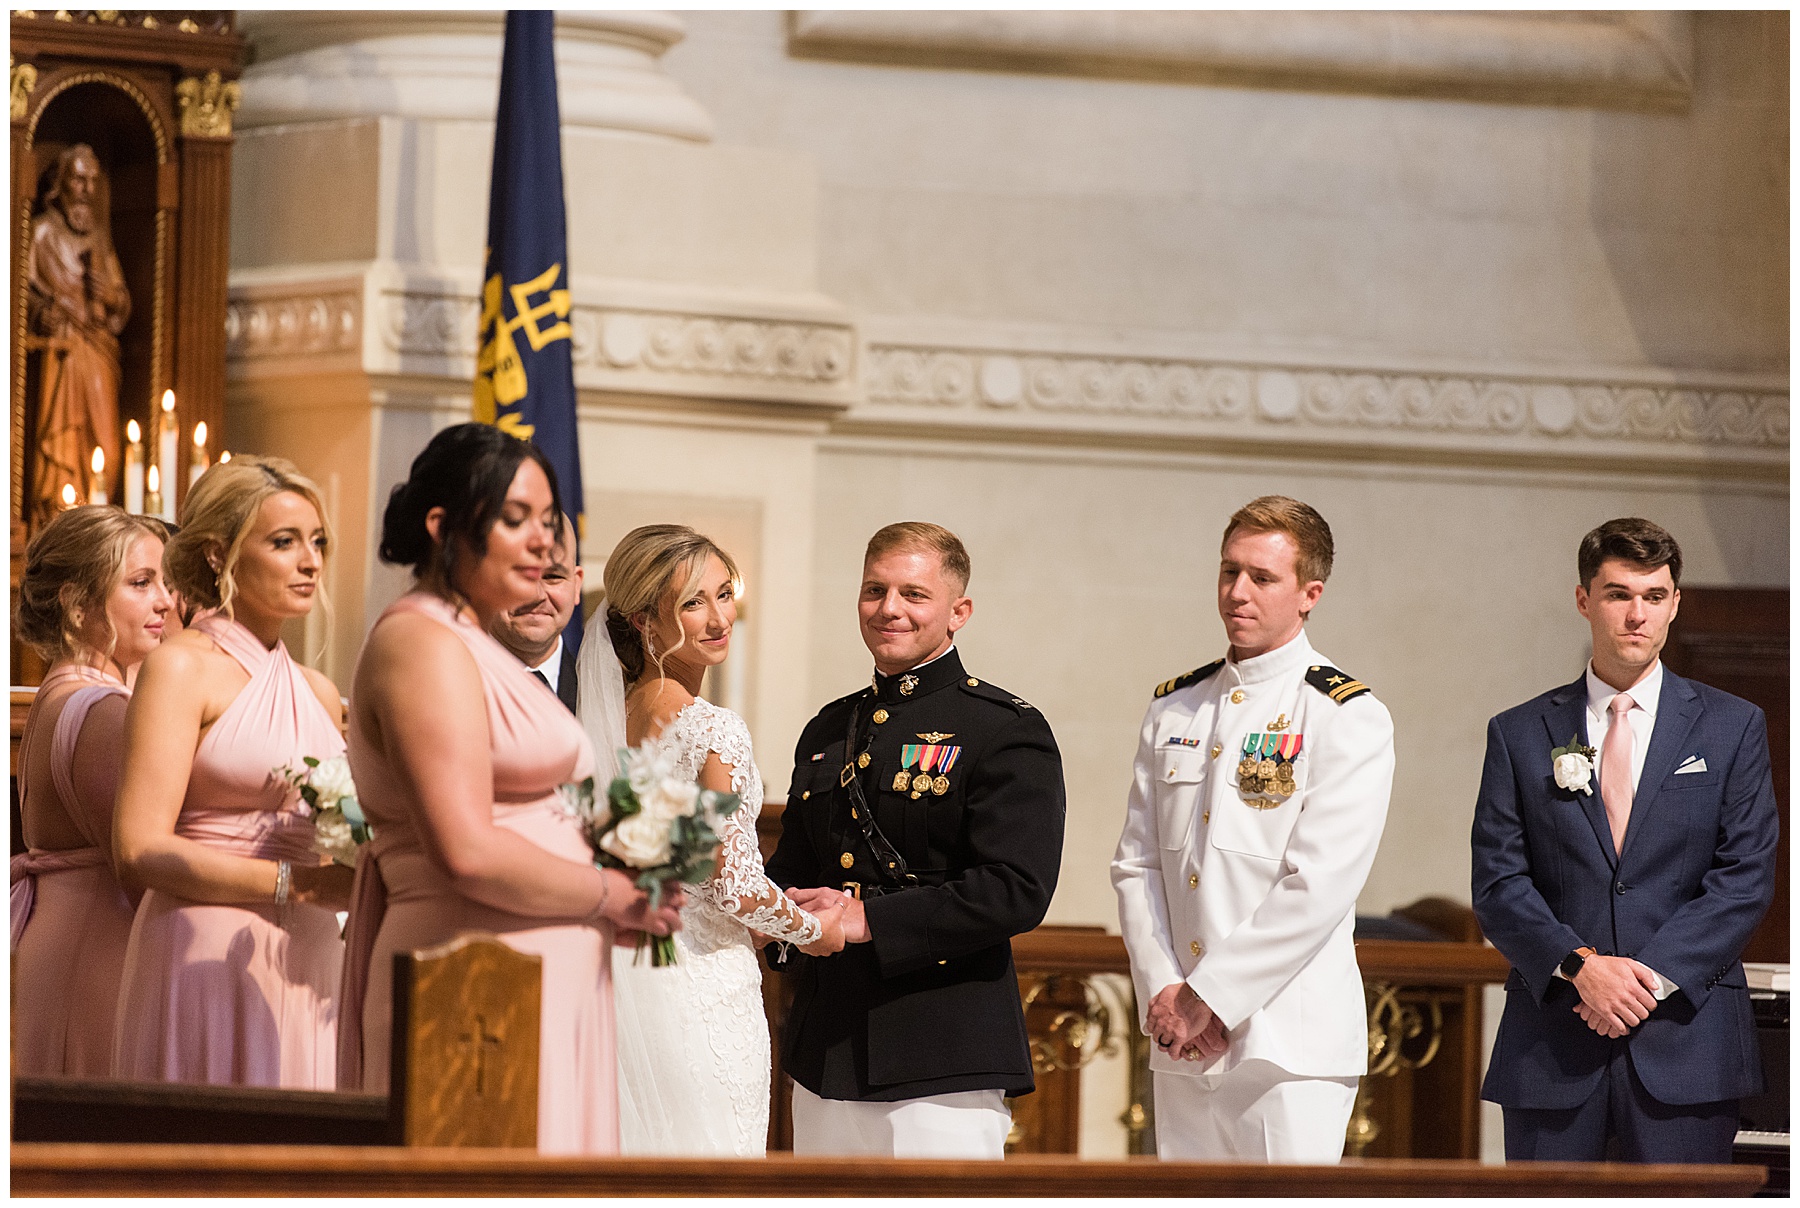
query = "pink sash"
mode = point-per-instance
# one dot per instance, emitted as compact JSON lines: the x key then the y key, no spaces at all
{"x":368,"y":906}
{"x":28,"y":867}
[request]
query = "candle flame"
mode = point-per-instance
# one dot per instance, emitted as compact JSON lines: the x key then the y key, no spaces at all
{"x":98,"y":462}
{"x":168,"y":400}
{"x":224,"y":456}
{"x":154,"y":480}
{"x":133,"y":433}
{"x":68,"y":495}
{"x":200,"y":435}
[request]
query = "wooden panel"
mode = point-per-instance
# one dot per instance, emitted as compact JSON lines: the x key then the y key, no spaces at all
{"x":1735,"y":639}
{"x":67,"y":1109}
{"x":163,"y":1170}
{"x":469,"y":1013}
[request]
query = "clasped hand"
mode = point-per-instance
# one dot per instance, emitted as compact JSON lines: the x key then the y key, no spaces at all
{"x":635,"y":913}
{"x":841,"y":915}
{"x":1617,"y":994}
{"x":1183,"y":1026}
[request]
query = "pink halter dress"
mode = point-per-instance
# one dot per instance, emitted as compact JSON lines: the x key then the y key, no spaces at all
{"x":70,"y":918}
{"x":246,"y":994}
{"x":404,"y":902}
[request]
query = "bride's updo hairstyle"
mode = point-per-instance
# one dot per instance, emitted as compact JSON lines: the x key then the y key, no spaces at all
{"x":466,"y":470}
{"x":72,"y":567}
{"x":640,"y":573}
{"x":202,"y":557}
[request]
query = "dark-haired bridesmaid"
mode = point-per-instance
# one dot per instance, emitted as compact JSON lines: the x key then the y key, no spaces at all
{"x":92,"y":602}
{"x":457,"y":752}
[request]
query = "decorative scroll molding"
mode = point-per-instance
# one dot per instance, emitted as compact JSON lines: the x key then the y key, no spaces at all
{"x":328,"y":321}
{"x":1210,"y":398}
{"x":207,"y":105}
{"x":1627,"y":59}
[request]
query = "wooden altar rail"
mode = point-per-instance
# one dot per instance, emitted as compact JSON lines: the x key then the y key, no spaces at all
{"x":188,"y":1170}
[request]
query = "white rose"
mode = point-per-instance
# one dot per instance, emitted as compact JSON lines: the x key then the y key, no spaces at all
{"x":331,"y":835}
{"x":644,"y":766}
{"x":331,"y":781}
{"x":670,"y":799}
{"x":1573,"y":771}
{"x":641,"y":841}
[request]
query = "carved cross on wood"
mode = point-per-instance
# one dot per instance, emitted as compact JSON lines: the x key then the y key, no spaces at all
{"x":483,"y":1040}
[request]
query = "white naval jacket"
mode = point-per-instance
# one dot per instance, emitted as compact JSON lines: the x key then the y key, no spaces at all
{"x":1255,"y":908}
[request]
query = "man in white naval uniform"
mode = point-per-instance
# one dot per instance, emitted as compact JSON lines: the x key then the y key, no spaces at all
{"x":1255,"y":810}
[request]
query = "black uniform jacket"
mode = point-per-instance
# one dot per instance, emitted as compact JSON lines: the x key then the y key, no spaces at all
{"x":930,"y":1005}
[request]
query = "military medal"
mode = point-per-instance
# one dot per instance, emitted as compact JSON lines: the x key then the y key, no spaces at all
{"x":933,"y":763}
{"x":1266,"y":772}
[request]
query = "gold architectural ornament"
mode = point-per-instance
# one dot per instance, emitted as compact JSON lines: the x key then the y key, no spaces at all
{"x":207,"y":105}
{"x":24,"y":82}
{"x":1397,"y":1014}
{"x":187,"y":26}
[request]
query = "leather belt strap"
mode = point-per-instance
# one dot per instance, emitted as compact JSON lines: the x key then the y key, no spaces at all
{"x":890,"y":865}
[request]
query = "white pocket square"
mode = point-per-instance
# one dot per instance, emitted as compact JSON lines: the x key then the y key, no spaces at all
{"x":1694,"y":764}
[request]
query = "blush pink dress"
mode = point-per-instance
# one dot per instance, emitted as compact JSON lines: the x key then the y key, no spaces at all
{"x":245,"y":994}
{"x":404,"y":902}
{"x":70,"y":919}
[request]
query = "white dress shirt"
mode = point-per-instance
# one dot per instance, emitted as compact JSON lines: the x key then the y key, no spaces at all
{"x":551,"y":667}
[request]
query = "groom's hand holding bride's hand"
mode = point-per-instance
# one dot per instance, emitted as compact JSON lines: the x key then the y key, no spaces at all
{"x":831,"y":936}
{"x":817,"y":899}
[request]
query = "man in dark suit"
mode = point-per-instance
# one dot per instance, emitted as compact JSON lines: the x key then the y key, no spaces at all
{"x":933,"y":800}
{"x":533,"y":631}
{"x":1624,"y":851}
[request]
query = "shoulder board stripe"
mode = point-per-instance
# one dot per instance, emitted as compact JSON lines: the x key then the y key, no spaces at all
{"x":1192,"y":677}
{"x":1337,"y":685}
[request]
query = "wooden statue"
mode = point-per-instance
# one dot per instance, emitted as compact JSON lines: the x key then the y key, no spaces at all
{"x":76,"y":305}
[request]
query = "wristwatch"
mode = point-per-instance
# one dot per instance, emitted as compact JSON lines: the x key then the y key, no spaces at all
{"x":1572,"y":963}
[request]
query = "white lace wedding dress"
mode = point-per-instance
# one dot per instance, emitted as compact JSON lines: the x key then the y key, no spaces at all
{"x":692,"y":1037}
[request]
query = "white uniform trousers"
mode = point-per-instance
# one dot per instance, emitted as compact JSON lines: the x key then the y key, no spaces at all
{"x":967,"y":1124}
{"x":1256,"y":1112}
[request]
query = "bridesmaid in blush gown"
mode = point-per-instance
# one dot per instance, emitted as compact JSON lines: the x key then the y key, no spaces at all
{"x":232,"y":970}
{"x":92,"y":602}
{"x":457,"y":751}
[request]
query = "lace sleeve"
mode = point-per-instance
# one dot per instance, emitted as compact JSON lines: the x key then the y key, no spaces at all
{"x":740,"y":887}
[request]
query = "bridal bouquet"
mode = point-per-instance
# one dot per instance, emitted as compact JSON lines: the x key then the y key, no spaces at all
{"x":329,"y":794}
{"x":652,"y":825}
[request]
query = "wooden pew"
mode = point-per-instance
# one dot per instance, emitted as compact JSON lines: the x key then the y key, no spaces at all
{"x":464,"y":1072}
{"x":264,"y":1170}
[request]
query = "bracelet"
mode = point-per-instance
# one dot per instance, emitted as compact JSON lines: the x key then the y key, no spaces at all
{"x":284,"y":878}
{"x":595,"y":915}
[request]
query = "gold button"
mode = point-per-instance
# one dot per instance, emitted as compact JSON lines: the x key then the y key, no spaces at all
{"x":880,"y":716}
{"x":1237,"y":696}
{"x":1193,"y":880}
{"x":862,"y":761}
{"x":1206,"y":815}
{"x":806,"y":794}
{"x":1194,"y":947}
{"x":974,"y":682}
{"x":1216,"y":749}
{"x":1171,"y":773}
{"x":846,"y":860}
{"x":943,"y":962}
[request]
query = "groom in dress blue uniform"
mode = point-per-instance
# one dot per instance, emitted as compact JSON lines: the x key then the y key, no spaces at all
{"x":932,"y":801}
{"x":1624,"y":851}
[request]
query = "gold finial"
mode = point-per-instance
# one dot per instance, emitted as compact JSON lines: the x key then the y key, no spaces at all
{"x":207,"y":105}
{"x":24,"y":82}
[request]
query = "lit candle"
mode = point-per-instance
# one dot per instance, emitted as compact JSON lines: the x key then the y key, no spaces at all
{"x":224,"y":456}
{"x":197,"y":464}
{"x":97,"y":476}
{"x":134,"y":468}
{"x":153,"y":501}
{"x":68,"y":494}
{"x":168,"y":433}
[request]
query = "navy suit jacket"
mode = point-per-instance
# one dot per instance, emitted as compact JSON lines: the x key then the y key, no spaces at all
{"x":1694,"y":879}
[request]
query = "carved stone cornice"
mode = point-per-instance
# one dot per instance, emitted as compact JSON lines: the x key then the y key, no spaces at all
{"x":207,"y":104}
{"x":1506,"y":414}
{"x":327,"y":319}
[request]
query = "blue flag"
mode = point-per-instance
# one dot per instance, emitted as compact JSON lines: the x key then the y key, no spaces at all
{"x":525,"y":370}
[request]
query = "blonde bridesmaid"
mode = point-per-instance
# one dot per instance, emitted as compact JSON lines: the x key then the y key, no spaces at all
{"x":232,"y":972}
{"x":93,"y":603}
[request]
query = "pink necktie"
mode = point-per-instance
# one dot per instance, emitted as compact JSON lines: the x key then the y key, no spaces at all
{"x":1615,"y":769}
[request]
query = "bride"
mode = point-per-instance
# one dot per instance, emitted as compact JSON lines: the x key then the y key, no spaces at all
{"x":693,"y":1040}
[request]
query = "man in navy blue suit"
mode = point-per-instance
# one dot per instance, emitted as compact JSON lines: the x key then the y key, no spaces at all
{"x":1624,"y":851}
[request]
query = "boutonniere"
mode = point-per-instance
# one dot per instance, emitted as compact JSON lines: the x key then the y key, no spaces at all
{"x":1573,"y":765}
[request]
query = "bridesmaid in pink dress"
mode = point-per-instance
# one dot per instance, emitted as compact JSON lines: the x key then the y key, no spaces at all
{"x":457,"y":751}
{"x":232,"y":971}
{"x":92,"y":602}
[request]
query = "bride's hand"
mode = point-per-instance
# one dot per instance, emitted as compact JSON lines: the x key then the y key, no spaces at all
{"x":831,"y":937}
